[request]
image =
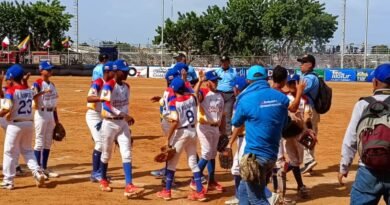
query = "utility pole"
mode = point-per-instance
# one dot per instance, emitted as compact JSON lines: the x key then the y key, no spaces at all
{"x":343,"y":33}
{"x":366,"y":38}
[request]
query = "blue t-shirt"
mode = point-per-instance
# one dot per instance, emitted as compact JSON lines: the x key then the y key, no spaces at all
{"x":227,"y":77}
{"x":264,"y":111}
{"x":191,"y":74}
{"x":97,"y":72}
{"x":312,"y":86}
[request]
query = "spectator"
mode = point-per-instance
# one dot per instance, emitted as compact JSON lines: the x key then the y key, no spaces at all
{"x":308,"y":63}
{"x":98,"y":70}
{"x":370,"y":184}
{"x":264,"y":124}
{"x":227,"y":75}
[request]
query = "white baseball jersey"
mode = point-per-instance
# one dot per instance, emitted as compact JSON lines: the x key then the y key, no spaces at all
{"x":211,"y":107}
{"x":95,"y":91}
{"x":47,"y":100}
{"x":18,"y":100}
{"x":183,"y":109}
{"x":116,"y":99}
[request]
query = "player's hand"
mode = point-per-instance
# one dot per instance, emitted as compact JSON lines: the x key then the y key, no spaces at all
{"x":47,"y":90}
{"x":155,"y":99}
{"x":26,"y":77}
{"x":130,"y":120}
{"x":340,"y":177}
{"x":201,"y":76}
{"x":301,"y":85}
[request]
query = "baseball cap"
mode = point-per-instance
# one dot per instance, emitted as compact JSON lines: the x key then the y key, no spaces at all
{"x":211,"y":75}
{"x":257,"y":72}
{"x":307,"y":59}
{"x":171,"y":74}
{"x":109,"y":66}
{"x":239,"y":82}
{"x":382,"y":73}
{"x":177,"y":84}
{"x":225,"y":58}
{"x":15,"y":71}
{"x":180,"y":66}
{"x":121,"y":65}
{"x":293,"y":77}
{"x":45,"y":65}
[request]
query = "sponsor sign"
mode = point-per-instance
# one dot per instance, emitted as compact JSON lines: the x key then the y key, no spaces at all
{"x":364,"y":75}
{"x":340,"y":75}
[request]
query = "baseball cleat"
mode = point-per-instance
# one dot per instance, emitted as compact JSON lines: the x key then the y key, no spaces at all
{"x":303,"y":192}
{"x":274,"y":199}
{"x":232,"y":201}
{"x":165,"y":194}
{"x":104,"y":186}
{"x":19,"y":171}
{"x":308,"y":166}
{"x":193,"y":185}
{"x":5,"y":185}
{"x":197,"y":196}
{"x":160,"y":173}
{"x":132,"y":190}
{"x":50,"y":174}
{"x":39,"y":178}
{"x":214,"y":186}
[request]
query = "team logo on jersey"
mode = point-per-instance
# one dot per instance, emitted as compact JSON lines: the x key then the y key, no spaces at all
{"x":105,"y":93}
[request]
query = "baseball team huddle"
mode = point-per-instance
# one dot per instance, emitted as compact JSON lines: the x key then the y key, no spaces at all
{"x":274,"y":126}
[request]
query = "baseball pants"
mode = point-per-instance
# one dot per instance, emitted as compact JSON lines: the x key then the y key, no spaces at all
{"x":238,"y":155}
{"x":229,"y":100}
{"x":3,"y":123}
{"x":93,"y":118}
{"x":184,"y":140}
{"x":208,"y":138}
{"x":44,"y":127}
{"x":309,"y":154}
{"x":119,"y":130}
{"x":294,"y":151}
{"x":18,"y":140}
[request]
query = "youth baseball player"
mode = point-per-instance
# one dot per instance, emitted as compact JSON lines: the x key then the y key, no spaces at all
{"x":45,"y":117}
{"x":94,"y":119}
{"x":18,"y":137}
{"x":182,"y":136}
{"x":116,"y":120}
{"x":210,"y":117}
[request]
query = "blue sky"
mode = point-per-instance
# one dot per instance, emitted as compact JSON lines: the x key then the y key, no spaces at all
{"x":135,"y":21}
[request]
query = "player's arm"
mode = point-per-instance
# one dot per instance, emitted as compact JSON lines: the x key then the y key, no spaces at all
{"x":235,"y":133}
{"x":8,"y":103}
{"x":93,"y":93}
{"x":174,"y":120}
{"x":294,"y":105}
{"x":25,"y":79}
{"x":198,"y":95}
{"x":106,"y":101}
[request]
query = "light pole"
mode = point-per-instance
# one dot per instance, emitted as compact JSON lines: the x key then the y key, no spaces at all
{"x":366,"y":40}
{"x":162,"y":33}
{"x":343,"y":34}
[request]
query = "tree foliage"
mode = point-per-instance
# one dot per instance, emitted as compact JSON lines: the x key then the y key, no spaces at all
{"x":43,"y":20}
{"x":251,"y":27}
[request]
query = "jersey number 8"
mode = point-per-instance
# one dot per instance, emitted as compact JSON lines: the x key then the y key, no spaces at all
{"x":190,"y":116}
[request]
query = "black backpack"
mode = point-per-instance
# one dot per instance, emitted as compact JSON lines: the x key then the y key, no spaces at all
{"x":323,"y":101}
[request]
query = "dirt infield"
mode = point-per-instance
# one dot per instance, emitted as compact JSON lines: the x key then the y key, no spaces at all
{"x":72,"y":158}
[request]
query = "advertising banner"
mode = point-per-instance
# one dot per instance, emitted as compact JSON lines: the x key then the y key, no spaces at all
{"x":340,"y":75}
{"x":157,"y":72}
{"x":364,"y":75}
{"x":319,"y":72}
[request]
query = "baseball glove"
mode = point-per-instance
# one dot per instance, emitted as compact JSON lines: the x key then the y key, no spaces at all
{"x":226,"y":158}
{"x":166,"y":154}
{"x":59,"y":132}
{"x":222,"y":143}
{"x":308,"y":139}
{"x":250,"y":168}
{"x":293,"y":129}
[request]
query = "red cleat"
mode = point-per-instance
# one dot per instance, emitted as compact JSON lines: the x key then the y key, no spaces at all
{"x":197,"y":196}
{"x":132,"y":190}
{"x":165,"y":194}
{"x":214,"y":186}
{"x":104,"y":186}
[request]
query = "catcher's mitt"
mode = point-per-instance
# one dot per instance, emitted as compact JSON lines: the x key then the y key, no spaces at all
{"x":222,"y":143}
{"x":167,"y":153}
{"x":226,"y":158}
{"x":293,"y":129}
{"x":308,"y":139}
{"x":59,"y":132}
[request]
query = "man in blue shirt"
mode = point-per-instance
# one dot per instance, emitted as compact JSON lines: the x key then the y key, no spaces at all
{"x":98,"y":70}
{"x":227,"y":75}
{"x":264,"y":111}
{"x":308,"y":63}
